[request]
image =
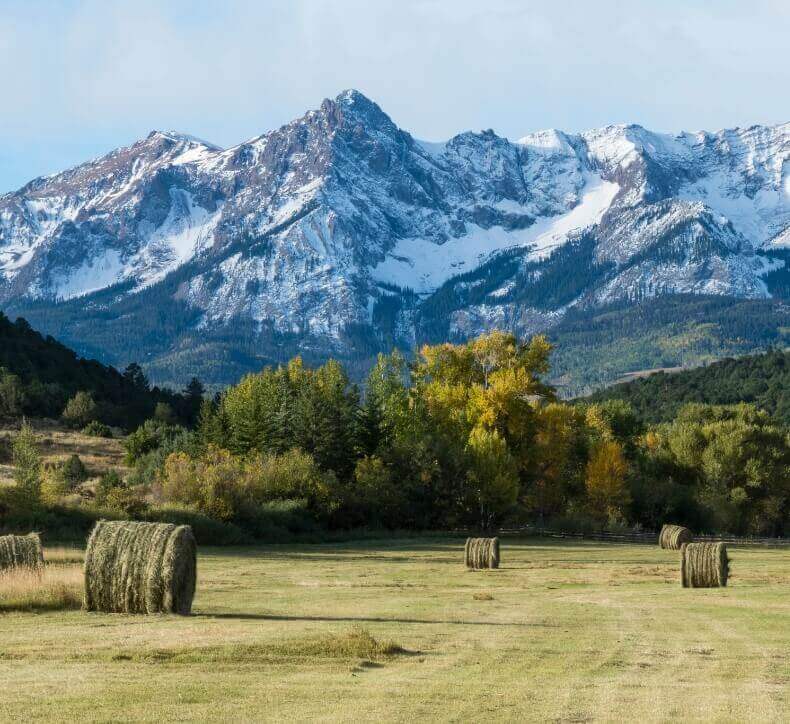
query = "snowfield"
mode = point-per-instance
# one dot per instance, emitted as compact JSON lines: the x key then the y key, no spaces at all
{"x":423,"y":266}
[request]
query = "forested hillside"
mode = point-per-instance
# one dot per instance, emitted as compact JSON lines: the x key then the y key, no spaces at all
{"x":39,"y":376}
{"x":762,"y":379}
{"x":593,"y":347}
{"x":467,"y":435}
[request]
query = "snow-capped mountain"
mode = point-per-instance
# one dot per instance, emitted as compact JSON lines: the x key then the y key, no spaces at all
{"x":340,"y":227}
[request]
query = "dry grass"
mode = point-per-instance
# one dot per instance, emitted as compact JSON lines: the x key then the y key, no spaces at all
{"x":51,"y":589}
{"x":64,"y":555}
{"x":133,"y":567}
{"x":57,"y":444}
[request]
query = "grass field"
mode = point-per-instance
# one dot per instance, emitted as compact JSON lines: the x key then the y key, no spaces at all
{"x":56,"y":443}
{"x":401,"y":631}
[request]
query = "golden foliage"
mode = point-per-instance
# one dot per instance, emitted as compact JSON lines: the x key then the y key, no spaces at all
{"x":605,"y":479}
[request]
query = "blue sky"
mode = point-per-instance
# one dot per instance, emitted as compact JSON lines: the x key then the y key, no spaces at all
{"x":80,"y":78}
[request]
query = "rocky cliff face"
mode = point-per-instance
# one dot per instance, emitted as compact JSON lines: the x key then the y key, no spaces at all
{"x":340,"y":230}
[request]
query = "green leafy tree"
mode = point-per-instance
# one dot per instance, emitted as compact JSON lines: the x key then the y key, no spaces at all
{"x":12,"y":394}
{"x":738,"y":461}
{"x":164,"y":413}
{"x":80,"y":410}
{"x":151,"y":435}
{"x":97,"y":429}
{"x":107,"y":483}
{"x":27,"y":463}
{"x":481,"y":399}
{"x":385,"y":390}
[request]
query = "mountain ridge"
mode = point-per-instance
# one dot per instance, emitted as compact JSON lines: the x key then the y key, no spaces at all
{"x":341,"y":234}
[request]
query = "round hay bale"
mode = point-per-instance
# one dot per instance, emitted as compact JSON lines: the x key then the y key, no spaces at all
{"x":672,"y":537}
{"x":133,"y":567}
{"x":21,"y":551}
{"x":481,"y":553}
{"x":704,"y":565}
{"x":493,"y":553}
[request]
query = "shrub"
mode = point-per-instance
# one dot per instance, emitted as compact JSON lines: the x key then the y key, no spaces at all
{"x":148,"y":437}
{"x":126,"y":500}
{"x":80,"y":410}
{"x":74,"y":471}
{"x":107,"y":482}
{"x":292,"y":475}
{"x":214,"y":484}
{"x":164,"y":413}
{"x":97,"y":429}
{"x":54,"y":486}
{"x":148,"y":465}
{"x":223,"y":485}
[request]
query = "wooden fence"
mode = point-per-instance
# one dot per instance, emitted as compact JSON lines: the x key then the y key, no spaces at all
{"x":645,"y":537}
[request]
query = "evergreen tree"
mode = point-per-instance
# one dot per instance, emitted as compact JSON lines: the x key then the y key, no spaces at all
{"x":134,"y":375}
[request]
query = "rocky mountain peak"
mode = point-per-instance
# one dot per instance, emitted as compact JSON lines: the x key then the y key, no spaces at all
{"x":339,"y":225}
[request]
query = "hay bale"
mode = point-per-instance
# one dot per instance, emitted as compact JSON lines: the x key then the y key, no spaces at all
{"x":672,"y":537}
{"x":135,"y":567}
{"x":21,"y":551}
{"x":481,"y":553}
{"x":493,"y":561}
{"x":704,"y":565}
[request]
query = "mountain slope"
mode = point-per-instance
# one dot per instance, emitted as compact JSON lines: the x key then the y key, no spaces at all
{"x":760,"y":379}
{"x":39,"y":374}
{"x":341,"y":234}
{"x":597,"y":345}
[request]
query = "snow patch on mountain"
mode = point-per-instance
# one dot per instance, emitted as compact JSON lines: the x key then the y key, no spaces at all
{"x":186,"y":230}
{"x":93,"y":275}
{"x":759,"y":218}
{"x":424,"y":266}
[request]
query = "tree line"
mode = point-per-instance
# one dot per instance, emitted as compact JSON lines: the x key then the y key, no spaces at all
{"x":763,"y":379}
{"x":467,"y":435}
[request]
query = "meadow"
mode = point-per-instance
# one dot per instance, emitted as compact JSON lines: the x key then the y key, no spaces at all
{"x":56,"y":443}
{"x":400,"y":630}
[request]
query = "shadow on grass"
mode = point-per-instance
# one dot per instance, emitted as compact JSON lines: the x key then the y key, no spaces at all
{"x":366,"y":619}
